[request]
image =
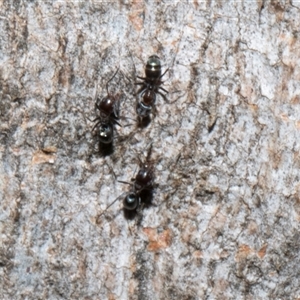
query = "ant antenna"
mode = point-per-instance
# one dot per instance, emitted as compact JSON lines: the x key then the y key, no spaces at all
{"x":125,"y":182}
{"x":111,"y":80}
{"x":109,"y":207}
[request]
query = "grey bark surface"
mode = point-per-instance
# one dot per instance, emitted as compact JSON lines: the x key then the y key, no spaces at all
{"x":224,"y":223}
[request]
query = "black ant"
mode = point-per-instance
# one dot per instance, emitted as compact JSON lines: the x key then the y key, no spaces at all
{"x":151,"y":85}
{"x":109,"y":115}
{"x":141,"y":189}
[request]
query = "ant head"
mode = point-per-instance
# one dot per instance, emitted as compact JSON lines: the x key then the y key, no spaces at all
{"x":131,"y":201}
{"x":106,"y":133}
{"x":144,"y":176}
{"x":106,"y":105}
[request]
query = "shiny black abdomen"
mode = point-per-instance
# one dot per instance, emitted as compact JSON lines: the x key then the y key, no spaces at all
{"x":153,"y":69}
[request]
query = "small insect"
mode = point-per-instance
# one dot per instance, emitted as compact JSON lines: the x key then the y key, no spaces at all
{"x":141,"y":189}
{"x":109,"y":115}
{"x":151,"y":85}
{"x":143,"y":182}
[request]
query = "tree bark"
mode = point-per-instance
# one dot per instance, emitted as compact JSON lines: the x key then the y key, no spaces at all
{"x":225,"y":211}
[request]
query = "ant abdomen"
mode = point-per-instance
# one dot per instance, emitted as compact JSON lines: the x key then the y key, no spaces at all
{"x":153,"y":69}
{"x":131,"y":201}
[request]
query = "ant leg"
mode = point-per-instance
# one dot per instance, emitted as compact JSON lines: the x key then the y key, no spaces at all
{"x":125,"y":182}
{"x":96,"y":125}
{"x":97,"y":105}
{"x":124,"y":75}
{"x":141,"y":90}
{"x":161,"y":88}
{"x":163,"y":73}
{"x":117,"y":123}
{"x":154,"y":111}
{"x":93,"y":120}
{"x":113,"y":202}
{"x":140,"y":206}
{"x":164,"y":97}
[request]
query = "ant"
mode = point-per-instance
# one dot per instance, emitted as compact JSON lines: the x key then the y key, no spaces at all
{"x":141,"y":189}
{"x":151,"y":85}
{"x":109,"y":115}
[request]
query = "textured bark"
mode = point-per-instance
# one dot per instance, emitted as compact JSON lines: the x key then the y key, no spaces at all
{"x":224,"y":223}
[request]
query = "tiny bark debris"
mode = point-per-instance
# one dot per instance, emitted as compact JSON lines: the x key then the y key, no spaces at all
{"x":49,"y":150}
{"x":40,"y":157}
{"x":158,"y":241}
{"x":262,"y":252}
{"x":243,"y":252}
